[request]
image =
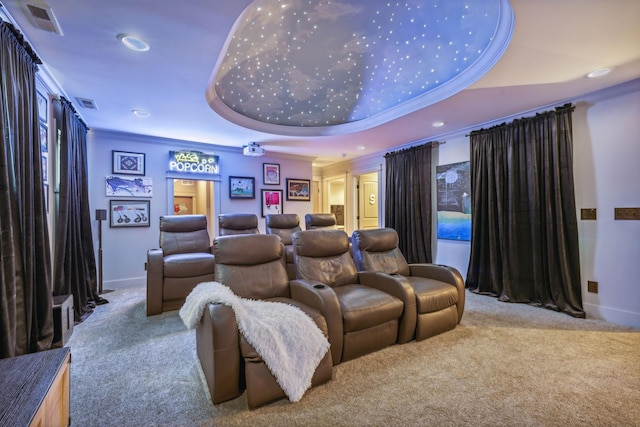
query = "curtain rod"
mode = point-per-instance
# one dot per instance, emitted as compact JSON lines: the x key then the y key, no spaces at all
{"x":432,"y":144}
{"x":21,"y":41}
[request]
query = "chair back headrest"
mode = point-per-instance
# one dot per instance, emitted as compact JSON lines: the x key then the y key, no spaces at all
{"x":237,"y":223}
{"x":184,"y":234}
{"x":324,"y":255}
{"x":377,"y":250}
{"x":283,"y":225}
{"x":252,"y":265}
{"x":320,"y":220}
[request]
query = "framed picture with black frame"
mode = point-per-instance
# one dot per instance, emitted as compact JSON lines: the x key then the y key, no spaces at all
{"x":242,"y":187}
{"x":298,"y":189}
{"x":129,"y":213}
{"x":127,"y":163}
{"x":43,"y":109}
{"x":271,"y":202}
{"x":271,"y":173}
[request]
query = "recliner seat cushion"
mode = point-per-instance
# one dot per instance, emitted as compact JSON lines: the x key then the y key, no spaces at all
{"x":189,"y":265}
{"x":364,"y":307}
{"x":433,"y":295}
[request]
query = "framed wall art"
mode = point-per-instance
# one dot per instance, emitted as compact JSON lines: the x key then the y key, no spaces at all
{"x":271,"y":173}
{"x":44,"y":143}
{"x":271,"y":202}
{"x":242,"y":187}
{"x":127,"y":163}
{"x":43,"y":112}
{"x":118,"y":186}
{"x":129,"y":213}
{"x":453,"y":184}
{"x":298,"y":189}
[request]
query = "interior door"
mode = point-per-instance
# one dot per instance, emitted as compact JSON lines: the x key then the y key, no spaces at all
{"x":368,"y":201}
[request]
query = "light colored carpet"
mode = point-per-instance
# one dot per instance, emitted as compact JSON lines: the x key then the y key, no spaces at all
{"x":504,"y":365}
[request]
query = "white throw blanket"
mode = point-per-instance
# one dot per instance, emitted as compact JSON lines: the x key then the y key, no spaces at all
{"x":287,"y":339}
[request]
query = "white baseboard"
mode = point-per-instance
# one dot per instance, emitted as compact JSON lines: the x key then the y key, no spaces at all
{"x":133,"y":282}
{"x":613,"y":315}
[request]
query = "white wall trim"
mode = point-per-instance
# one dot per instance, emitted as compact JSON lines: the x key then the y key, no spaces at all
{"x":613,"y":315}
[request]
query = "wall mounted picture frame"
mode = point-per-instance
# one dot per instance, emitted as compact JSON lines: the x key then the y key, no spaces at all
{"x":242,"y":187}
{"x":45,"y":167}
{"x":44,"y":142}
{"x":43,"y":111}
{"x":271,"y":173}
{"x":124,"y":162}
{"x":117,"y":186}
{"x":453,"y":184}
{"x":299,"y":189}
{"x":129,"y":213}
{"x":46,"y":197}
{"x":271,"y":202}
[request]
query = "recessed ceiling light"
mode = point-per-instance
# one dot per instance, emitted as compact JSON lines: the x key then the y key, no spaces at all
{"x":598,"y":73}
{"x":134,"y":43}
{"x":360,"y":147}
{"x":141,"y":113}
{"x":437,"y":124}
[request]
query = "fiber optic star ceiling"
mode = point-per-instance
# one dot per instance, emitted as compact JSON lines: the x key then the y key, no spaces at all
{"x":320,"y":67}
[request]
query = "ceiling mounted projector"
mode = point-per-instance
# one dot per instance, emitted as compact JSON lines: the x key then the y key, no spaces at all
{"x":253,"y":149}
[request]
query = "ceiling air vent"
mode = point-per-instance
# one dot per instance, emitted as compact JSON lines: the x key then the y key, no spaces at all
{"x":43,"y":18}
{"x":87,"y":103}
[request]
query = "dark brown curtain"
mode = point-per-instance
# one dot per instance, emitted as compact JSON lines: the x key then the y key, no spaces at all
{"x":26,"y":324}
{"x":408,"y":200}
{"x":75,"y":264}
{"x":524,"y":239}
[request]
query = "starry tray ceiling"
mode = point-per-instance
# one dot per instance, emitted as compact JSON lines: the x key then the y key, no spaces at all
{"x":309,"y":67}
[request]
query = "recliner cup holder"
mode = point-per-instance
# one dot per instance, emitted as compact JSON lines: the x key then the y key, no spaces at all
{"x":319,"y":286}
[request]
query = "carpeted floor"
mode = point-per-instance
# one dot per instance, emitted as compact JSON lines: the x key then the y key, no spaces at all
{"x":504,"y":365}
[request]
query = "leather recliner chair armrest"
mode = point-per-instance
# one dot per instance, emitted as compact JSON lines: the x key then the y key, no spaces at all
{"x":399,"y":287}
{"x":218,"y":348}
{"x":443,"y":273}
{"x":321,"y":297}
{"x":155,"y":274}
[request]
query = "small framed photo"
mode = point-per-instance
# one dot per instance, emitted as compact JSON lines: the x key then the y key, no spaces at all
{"x":44,"y":143}
{"x":271,"y":202}
{"x":129,"y":213}
{"x":242,"y":187}
{"x":46,"y":197}
{"x":45,"y":167}
{"x":298,"y":189}
{"x":127,"y":163}
{"x":271,"y":173}
{"x":43,"y":112}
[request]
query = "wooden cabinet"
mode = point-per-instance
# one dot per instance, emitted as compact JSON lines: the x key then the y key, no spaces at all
{"x":35,"y":389}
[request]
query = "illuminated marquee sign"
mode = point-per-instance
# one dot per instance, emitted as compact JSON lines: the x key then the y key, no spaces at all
{"x":193,"y":162}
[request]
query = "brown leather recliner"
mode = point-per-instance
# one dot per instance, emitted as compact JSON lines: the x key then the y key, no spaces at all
{"x":183,"y":260}
{"x":439,"y":289}
{"x":314,"y":221}
{"x":365,"y":311}
{"x":237,"y":223}
{"x":284,"y":225}
{"x":252,"y":266}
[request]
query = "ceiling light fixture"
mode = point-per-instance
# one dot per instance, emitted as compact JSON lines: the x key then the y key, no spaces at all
{"x":437,"y":124}
{"x":134,"y":43}
{"x":599,"y":73}
{"x":141,"y":113}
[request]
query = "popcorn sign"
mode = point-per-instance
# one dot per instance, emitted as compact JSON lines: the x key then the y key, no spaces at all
{"x":193,"y":162}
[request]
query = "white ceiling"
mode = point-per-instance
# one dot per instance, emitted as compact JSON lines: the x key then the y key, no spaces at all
{"x":555,"y":43}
